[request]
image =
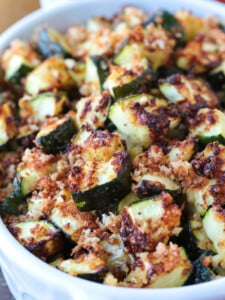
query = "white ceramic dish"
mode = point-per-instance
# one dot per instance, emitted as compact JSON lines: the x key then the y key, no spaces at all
{"x":28,"y":277}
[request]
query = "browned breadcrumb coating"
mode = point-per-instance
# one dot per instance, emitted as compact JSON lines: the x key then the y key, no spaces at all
{"x":141,"y":237}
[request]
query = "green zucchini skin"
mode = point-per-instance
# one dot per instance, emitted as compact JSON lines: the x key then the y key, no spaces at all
{"x":12,"y":204}
{"x":204,"y":140}
{"x":102,"y":67}
{"x":48,"y":47}
{"x":105,"y":195}
{"x":139,"y":85}
{"x":57,"y":139}
{"x":168,"y":22}
{"x":21,"y":72}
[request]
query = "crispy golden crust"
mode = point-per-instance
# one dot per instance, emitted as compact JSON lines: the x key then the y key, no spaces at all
{"x":161,"y":229}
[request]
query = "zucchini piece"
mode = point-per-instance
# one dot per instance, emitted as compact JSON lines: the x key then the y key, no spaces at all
{"x":191,"y":24}
{"x":182,"y":150}
{"x":189,"y":94}
{"x":138,"y":84}
{"x":149,"y":221}
{"x":39,"y":237}
{"x":150,"y":178}
{"x":210,"y":163}
{"x":77,"y":72}
{"x":200,"y":195}
{"x":214,"y":226}
{"x":93,"y":110}
{"x":7,"y":123}
{"x":217,"y":76}
{"x":49,"y":43}
{"x":18,"y":60}
{"x":66,"y":216}
{"x":128,"y":199}
{"x":96,"y":73}
{"x":52,"y":74}
{"x":34,"y":166}
{"x":42,"y":106}
{"x":154,"y":270}
{"x":15,"y":204}
{"x":169,"y":22}
{"x":88,"y":266}
{"x":143,"y":117}
{"x":55,"y":134}
{"x":111,"y":182}
{"x":100,"y":172}
{"x":131,"y":56}
{"x":209,"y":126}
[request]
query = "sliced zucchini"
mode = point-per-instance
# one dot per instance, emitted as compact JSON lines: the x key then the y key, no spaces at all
{"x":87,"y":266}
{"x":55,"y":134}
{"x":77,"y":71}
{"x":128,"y":199}
{"x":142,"y":118}
{"x":100,"y":172}
{"x":169,"y":22}
{"x":96,"y":73}
{"x":202,"y":54}
{"x":42,"y":106}
{"x":210,"y":163}
{"x":49,"y":43}
{"x":158,"y":46}
{"x":39,"y":237}
{"x":150,"y":179}
{"x":66,"y":216}
{"x":131,"y":56}
{"x":93,"y":110}
{"x":154,"y":270}
{"x":15,"y":204}
{"x":7,"y":123}
{"x":214,"y":226}
{"x":209,"y":126}
{"x":121,"y":83}
{"x":200,"y":195}
{"x":182,"y":150}
{"x":18,"y":60}
{"x":34,"y":166}
{"x":147,"y":222}
{"x":52,"y":74}
{"x":217,"y":76}
{"x":191,"y":24}
{"x":189,"y":94}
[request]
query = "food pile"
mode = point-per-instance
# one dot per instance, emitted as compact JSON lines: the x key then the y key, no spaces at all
{"x":112,"y":156}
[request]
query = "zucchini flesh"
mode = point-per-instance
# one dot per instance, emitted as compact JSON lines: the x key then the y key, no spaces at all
{"x":93,"y":110}
{"x":88,"y":266}
{"x":214,"y":226}
{"x":175,"y":275}
{"x":130,"y":56}
{"x":29,"y":171}
{"x":39,"y":237}
{"x":7,"y":123}
{"x":101,"y":175}
{"x":55,"y":134}
{"x":42,"y":106}
{"x":147,"y":222}
{"x":96,"y":73}
{"x":49,"y":75}
{"x":141,"y":118}
{"x":209,"y":126}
